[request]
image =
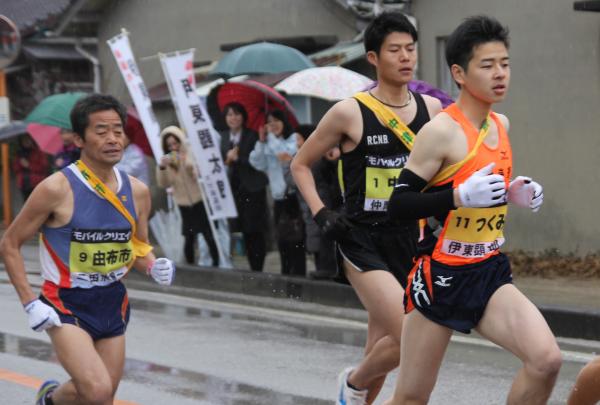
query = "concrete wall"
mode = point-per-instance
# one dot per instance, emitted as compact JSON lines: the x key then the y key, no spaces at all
{"x":553,"y":105}
{"x":164,"y":26}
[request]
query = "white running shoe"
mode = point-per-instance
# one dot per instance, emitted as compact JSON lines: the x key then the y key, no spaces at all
{"x":347,"y":395}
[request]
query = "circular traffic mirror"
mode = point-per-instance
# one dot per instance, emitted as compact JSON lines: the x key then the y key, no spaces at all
{"x":10,"y":42}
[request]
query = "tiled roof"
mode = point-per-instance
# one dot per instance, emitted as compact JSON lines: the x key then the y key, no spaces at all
{"x":31,"y":15}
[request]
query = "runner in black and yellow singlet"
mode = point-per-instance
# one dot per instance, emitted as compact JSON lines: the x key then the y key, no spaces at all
{"x":368,"y":174}
{"x":375,"y":132}
{"x":460,"y":173}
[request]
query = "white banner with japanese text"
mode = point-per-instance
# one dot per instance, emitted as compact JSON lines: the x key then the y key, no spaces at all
{"x":203,"y":139}
{"x":121,"y":49}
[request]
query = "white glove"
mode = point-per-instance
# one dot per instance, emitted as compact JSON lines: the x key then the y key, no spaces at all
{"x":162,"y":271}
{"x":525,"y":193}
{"x":482,"y":189}
{"x":41,"y":316}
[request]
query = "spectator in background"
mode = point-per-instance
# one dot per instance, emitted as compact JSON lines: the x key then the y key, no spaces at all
{"x":133,"y":162}
{"x":177,"y":170}
{"x":272,"y":154}
{"x":249,"y":186}
{"x":30,"y":166}
{"x":69,"y":152}
{"x":326,"y":181}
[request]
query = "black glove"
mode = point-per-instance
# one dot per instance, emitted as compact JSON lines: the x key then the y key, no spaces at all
{"x":332,"y":224}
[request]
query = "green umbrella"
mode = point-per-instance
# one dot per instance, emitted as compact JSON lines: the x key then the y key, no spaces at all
{"x":259,"y":58}
{"x":54,"y":110}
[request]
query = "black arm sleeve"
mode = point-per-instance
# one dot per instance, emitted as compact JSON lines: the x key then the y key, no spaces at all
{"x":407,"y":201}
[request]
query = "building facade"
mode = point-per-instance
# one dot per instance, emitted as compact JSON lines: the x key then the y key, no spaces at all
{"x":158,"y":26}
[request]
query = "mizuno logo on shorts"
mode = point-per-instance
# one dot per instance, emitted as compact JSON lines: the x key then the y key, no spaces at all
{"x":442,"y":281}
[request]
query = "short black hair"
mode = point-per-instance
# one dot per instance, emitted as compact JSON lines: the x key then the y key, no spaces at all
{"x":383,"y":25}
{"x":237,"y":108}
{"x":281,"y":116}
{"x":80,"y":114}
{"x":473,"y":31}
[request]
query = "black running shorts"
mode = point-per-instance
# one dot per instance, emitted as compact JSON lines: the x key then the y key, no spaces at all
{"x":455,"y":296}
{"x":368,"y":249}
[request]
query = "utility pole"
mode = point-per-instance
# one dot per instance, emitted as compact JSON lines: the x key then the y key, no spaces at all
{"x":10,"y":46}
{"x":6,"y":208}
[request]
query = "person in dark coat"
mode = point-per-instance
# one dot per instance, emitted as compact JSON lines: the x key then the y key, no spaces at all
{"x":326,"y":181}
{"x":247,"y":184}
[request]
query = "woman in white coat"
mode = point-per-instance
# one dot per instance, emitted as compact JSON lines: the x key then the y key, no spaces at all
{"x":272,"y":154}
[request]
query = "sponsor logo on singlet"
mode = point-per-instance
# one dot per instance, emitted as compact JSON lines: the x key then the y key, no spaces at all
{"x":377,"y":139}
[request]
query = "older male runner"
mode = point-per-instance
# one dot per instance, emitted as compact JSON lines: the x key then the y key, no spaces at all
{"x":94,"y":228}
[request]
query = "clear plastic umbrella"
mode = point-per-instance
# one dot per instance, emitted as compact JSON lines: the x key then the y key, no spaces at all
{"x":166,"y":227}
{"x":328,"y":82}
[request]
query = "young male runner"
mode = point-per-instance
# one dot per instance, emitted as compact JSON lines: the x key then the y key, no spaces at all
{"x":461,"y":281}
{"x":94,"y":225}
{"x":376,"y":253}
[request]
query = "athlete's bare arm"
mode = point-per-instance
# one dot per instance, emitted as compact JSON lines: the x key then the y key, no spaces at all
{"x":48,"y":203}
{"x":433,"y":147}
{"x":341,"y":125}
{"x":437,"y":145}
{"x":434,"y":106}
{"x":143,"y":204}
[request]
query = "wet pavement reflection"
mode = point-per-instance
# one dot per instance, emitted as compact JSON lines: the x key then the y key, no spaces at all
{"x":185,"y":383}
{"x":322,"y":333}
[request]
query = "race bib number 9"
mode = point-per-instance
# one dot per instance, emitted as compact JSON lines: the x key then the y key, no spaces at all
{"x":474,"y":232}
{"x":100,"y":251}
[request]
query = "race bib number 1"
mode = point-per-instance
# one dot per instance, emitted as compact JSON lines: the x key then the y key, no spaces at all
{"x":380,"y":178}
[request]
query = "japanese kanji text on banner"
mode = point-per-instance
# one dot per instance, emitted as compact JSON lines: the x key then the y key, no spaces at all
{"x":121,"y":50}
{"x":178,"y":69}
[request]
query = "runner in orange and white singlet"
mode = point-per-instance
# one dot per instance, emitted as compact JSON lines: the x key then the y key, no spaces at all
{"x":470,"y":235}
{"x":459,"y":176}
{"x":466,"y":238}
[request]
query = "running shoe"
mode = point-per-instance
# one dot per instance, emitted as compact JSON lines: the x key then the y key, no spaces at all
{"x":46,"y":388}
{"x":347,"y":395}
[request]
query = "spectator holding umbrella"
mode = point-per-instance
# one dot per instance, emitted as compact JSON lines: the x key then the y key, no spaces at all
{"x":30,"y":166}
{"x":177,"y":170}
{"x":272,"y":154}
{"x":249,"y":186}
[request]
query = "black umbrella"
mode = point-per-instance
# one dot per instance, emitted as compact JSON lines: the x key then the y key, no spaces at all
{"x":12,"y":130}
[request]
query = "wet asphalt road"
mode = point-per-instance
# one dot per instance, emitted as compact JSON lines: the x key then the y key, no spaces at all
{"x":191,"y":351}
